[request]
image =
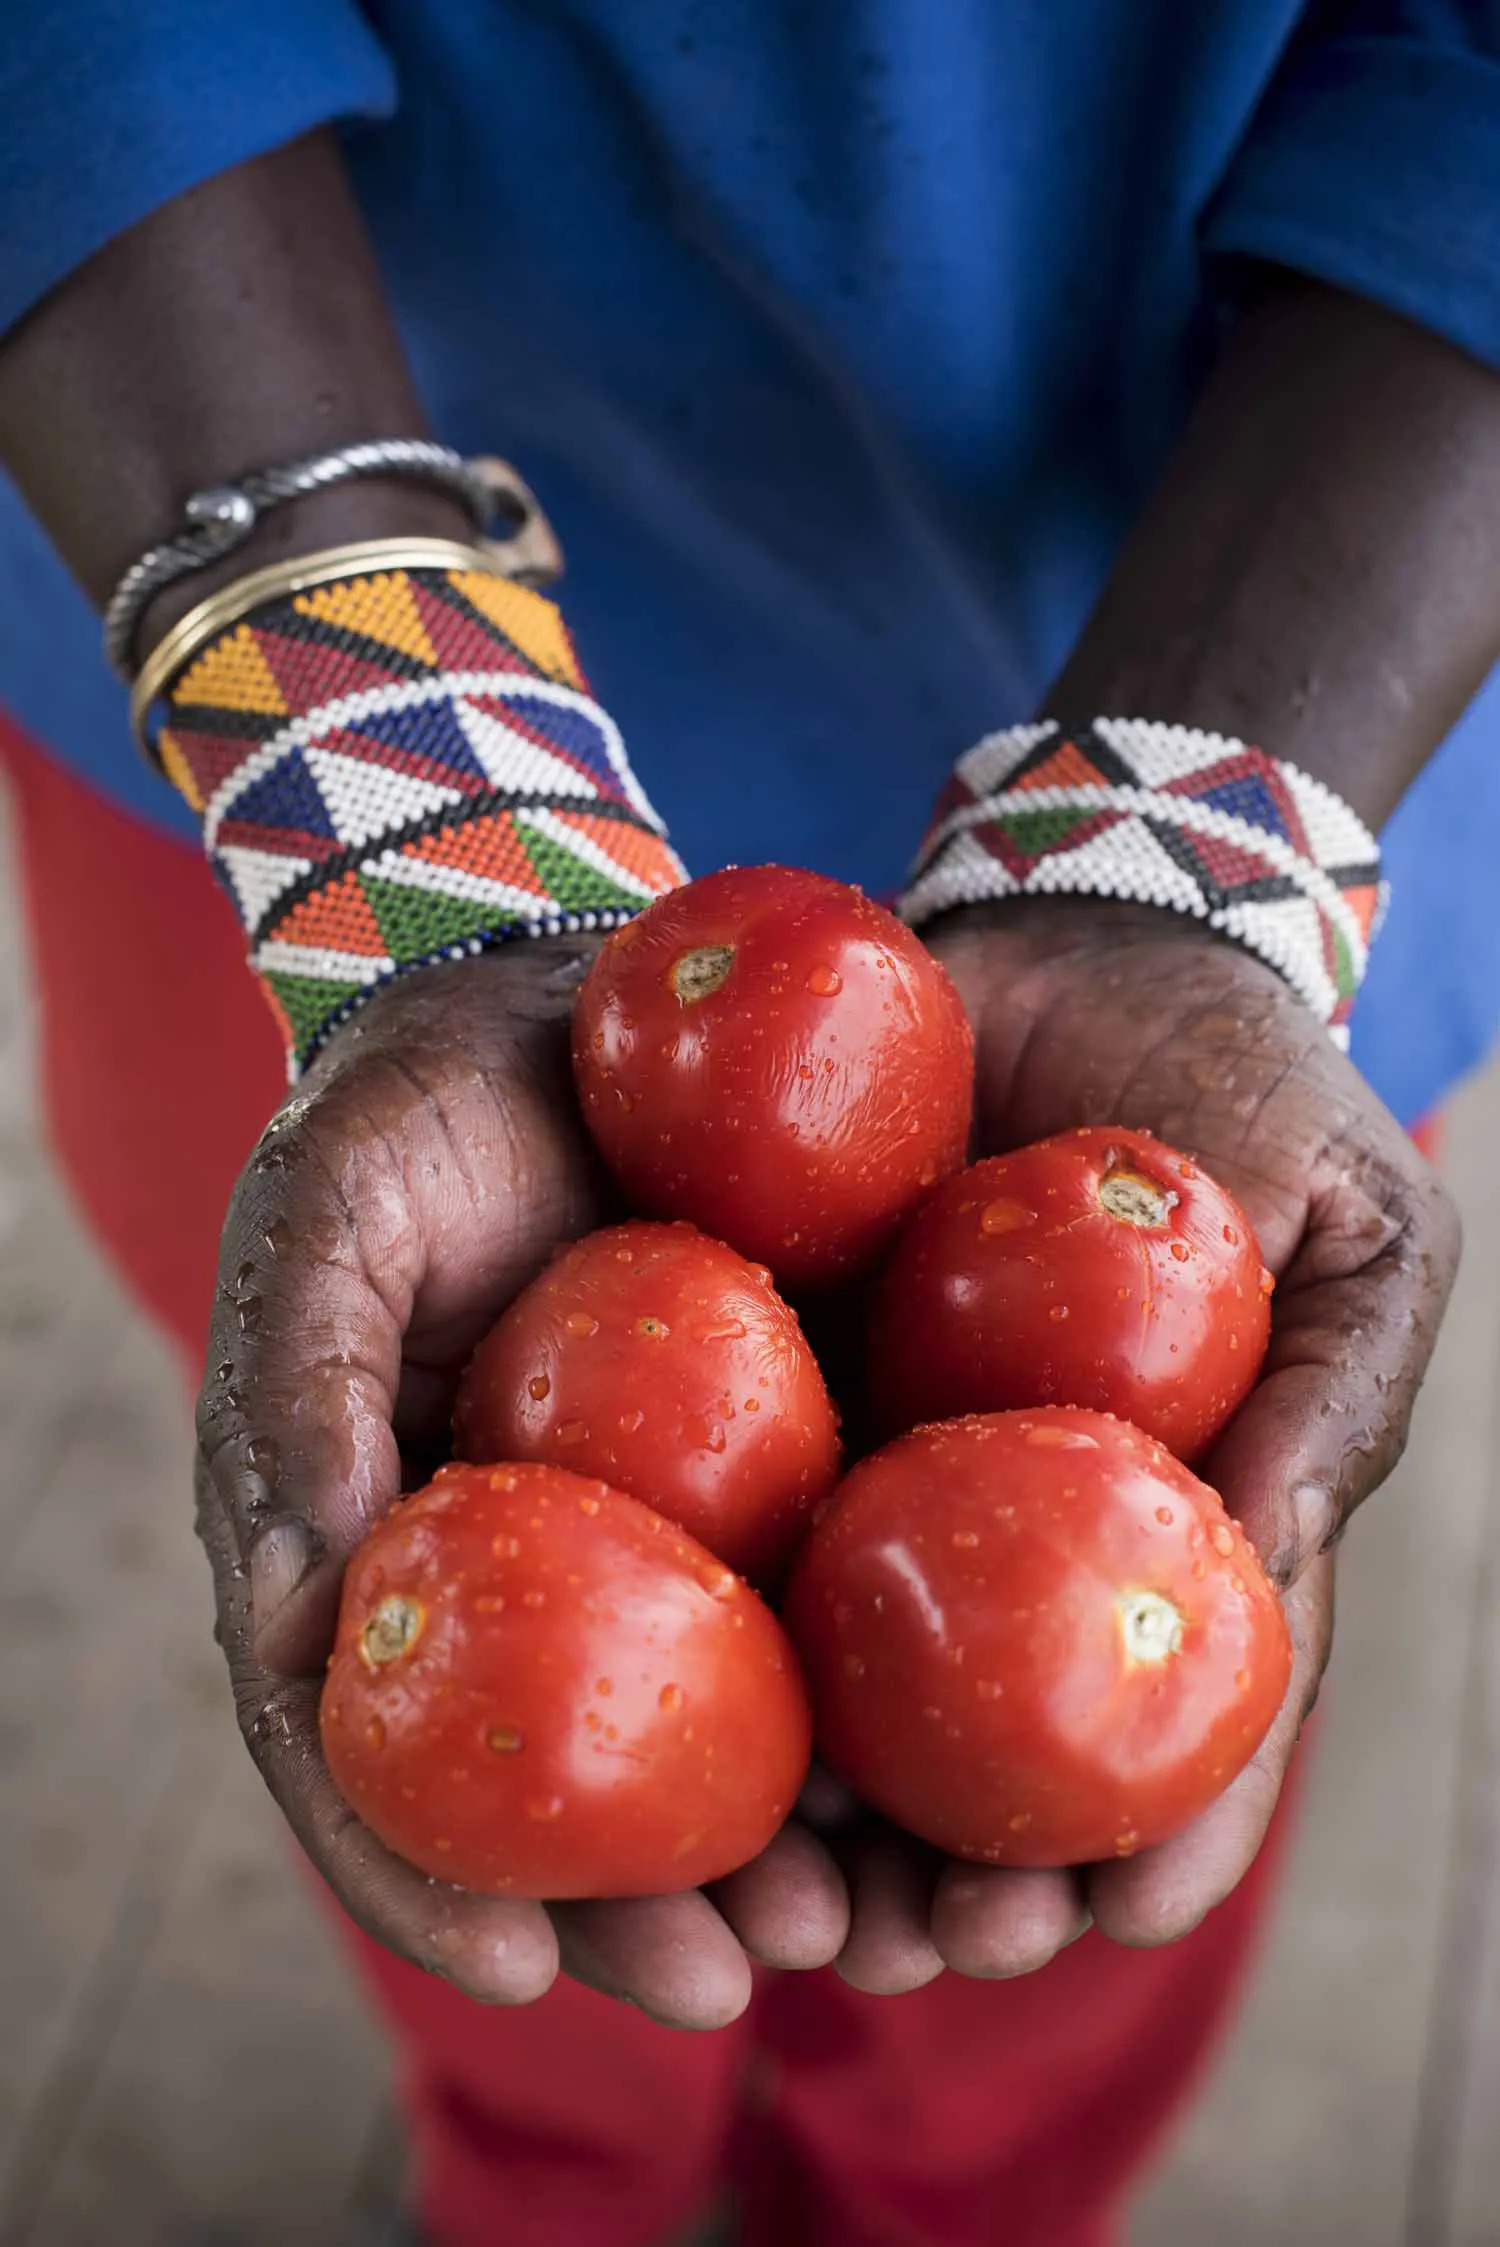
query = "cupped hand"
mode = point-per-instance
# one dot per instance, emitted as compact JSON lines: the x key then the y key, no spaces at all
{"x":1090,"y":1012}
{"x":425,"y":1169}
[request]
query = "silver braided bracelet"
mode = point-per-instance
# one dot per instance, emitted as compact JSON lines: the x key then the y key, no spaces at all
{"x":222,"y":517}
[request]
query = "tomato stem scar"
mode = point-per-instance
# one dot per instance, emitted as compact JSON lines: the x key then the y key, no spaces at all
{"x":1136,"y":1200}
{"x":392,"y":1630}
{"x":1150,"y":1626}
{"x":697,"y":975}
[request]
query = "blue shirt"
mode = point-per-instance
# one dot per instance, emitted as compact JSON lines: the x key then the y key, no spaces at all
{"x":841,"y":338}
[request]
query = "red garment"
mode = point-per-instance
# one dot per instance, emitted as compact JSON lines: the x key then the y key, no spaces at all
{"x":967,"y":2115}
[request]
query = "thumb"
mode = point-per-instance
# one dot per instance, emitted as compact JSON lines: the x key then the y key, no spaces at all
{"x":1355,"y":1320}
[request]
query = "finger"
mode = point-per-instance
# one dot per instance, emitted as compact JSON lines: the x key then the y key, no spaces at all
{"x":1355,"y":1319}
{"x":1161,"y":1895}
{"x":673,"y":1956}
{"x":790,"y":1908}
{"x":994,"y":1924}
{"x":496,"y":1950}
{"x":826,"y":1804}
{"x":890,"y":1948}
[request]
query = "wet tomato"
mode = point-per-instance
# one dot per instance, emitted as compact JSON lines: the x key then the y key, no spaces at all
{"x":540,"y":1688}
{"x":668,"y":1366}
{"x":1099,"y":1268}
{"x":1034,"y":1638}
{"x":771,"y":1055}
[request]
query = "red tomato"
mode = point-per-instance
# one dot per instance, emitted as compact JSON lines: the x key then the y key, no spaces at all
{"x":1035,"y":1638}
{"x":770,"y":1054}
{"x":540,"y":1688}
{"x":1098,"y":1268}
{"x":666,"y":1365}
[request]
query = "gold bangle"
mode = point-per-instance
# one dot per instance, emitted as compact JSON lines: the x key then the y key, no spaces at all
{"x":279,"y":581}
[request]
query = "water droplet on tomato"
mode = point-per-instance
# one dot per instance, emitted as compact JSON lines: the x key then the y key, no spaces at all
{"x":1242,"y":1679}
{"x":1048,"y":1436}
{"x":1019,"y":1822}
{"x":631,"y":1422}
{"x":825,"y":982}
{"x":375,"y":1733}
{"x":1005,"y":1217}
{"x":965,"y":1539}
{"x":1221,"y":1538}
{"x":504,"y":1739}
{"x":545,"y":1807}
{"x":505,"y":1548}
{"x":1267,"y":1281}
{"x":533,"y":1599}
{"x":1231,"y":1236}
{"x":580,"y":1325}
{"x":989,"y":1689}
{"x":853,"y":1666}
{"x":572,"y":1431}
{"x":670,"y":1698}
{"x":538,"y":1387}
{"x":1165,"y":1516}
{"x":588,"y":1505}
{"x":1058,"y":1311}
{"x":1180,"y":1252}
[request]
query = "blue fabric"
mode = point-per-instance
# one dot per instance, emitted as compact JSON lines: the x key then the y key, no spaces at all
{"x":842,"y":338}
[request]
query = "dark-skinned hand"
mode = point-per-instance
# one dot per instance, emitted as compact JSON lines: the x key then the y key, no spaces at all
{"x":1090,"y":1012}
{"x":426,"y":1168}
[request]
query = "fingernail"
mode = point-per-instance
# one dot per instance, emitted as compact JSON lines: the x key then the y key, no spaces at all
{"x":1317,"y":1514}
{"x":280,"y":1559}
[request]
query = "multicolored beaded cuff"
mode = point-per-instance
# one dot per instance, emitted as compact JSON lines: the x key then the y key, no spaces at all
{"x":398,"y":767}
{"x":1164,"y":815}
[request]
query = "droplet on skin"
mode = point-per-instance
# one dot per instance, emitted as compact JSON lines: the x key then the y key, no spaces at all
{"x":1231,"y":1236}
{"x":580,"y":1325}
{"x":989,"y":1689}
{"x":632,"y":1422}
{"x":375,"y":1732}
{"x":1165,"y":1516}
{"x":1221,"y":1538}
{"x":1267,"y":1281}
{"x":1180,"y":1252}
{"x":588,"y":1505}
{"x":1058,"y":1311}
{"x":825,"y":982}
{"x":533,"y":1599}
{"x":572,"y":1431}
{"x":853,"y":1666}
{"x":504,"y":1739}
{"x":544,"y":1808}
{"x":965,"y":1539}
{"x":1020,"y":1822}
{"x":538,"y":1387}
{"x":670,"y":1698}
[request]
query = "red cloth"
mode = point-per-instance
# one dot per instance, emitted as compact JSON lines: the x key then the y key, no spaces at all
{"x":967,"y":2115}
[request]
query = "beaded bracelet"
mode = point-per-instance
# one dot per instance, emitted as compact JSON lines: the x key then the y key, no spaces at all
{"x":1164,"y":815}
{"x":397,"y":761}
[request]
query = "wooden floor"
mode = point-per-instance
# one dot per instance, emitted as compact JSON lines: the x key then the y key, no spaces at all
{"x":184,"y":2064}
